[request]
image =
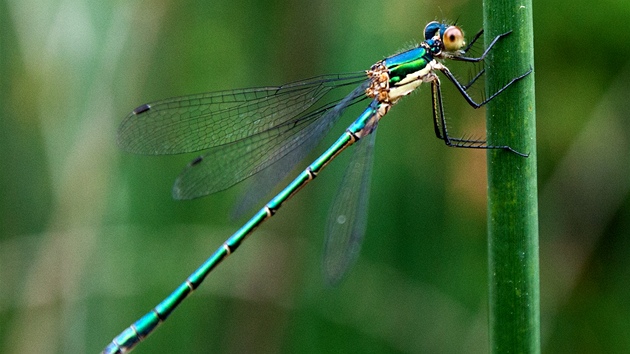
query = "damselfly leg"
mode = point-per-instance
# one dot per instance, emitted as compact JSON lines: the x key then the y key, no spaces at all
{"x":439,"y":120}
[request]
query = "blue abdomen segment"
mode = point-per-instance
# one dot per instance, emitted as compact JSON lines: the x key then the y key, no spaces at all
{"x":364,"y":119}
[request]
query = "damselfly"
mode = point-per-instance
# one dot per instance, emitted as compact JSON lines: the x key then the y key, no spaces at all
{"x":266,"y":131}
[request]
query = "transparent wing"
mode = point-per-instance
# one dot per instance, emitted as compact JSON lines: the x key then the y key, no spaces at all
{"x":347,"y":219}
{"x":202,"y":121}
{"x":223,"y":166}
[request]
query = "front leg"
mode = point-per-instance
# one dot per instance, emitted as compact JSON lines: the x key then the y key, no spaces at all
{"x":483,"y":56}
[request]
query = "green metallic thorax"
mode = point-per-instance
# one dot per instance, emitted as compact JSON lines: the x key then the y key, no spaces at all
{"x":405,"y":63}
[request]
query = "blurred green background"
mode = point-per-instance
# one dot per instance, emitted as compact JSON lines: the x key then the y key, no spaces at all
{"x":90,"y":238}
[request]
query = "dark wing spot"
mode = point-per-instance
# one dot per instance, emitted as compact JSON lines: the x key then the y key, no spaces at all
{"x":196,"y":161}
{"x":141,"y":109}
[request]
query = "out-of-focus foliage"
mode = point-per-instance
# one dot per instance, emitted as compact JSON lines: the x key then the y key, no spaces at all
{"x":90,"y":239}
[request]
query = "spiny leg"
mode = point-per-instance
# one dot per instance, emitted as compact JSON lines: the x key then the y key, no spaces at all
{"x":462,"y":88}
{"x":481,"y":58}
{"x":441,"y":131}
{"x":485,"y":52}
{"x":474,"y":79}
{"x":439,"y":123}
{"x":472,"y":42}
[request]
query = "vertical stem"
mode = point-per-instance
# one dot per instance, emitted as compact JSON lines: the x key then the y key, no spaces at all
{"x":514,"y":291}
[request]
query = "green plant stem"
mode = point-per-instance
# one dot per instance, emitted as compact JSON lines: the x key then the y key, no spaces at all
{"x":514,"y":290}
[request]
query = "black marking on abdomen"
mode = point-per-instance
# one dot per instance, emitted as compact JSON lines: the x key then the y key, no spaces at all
{"x":270,"y":211}
{"x":353,"y":136}
{"x":158,"y":315}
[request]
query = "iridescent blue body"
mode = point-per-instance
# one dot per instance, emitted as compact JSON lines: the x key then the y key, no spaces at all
{"x":167,"y":127}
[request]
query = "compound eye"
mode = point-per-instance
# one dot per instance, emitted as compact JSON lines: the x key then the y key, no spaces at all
{"x":431,"y":29}
{"x":453,"y":39}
